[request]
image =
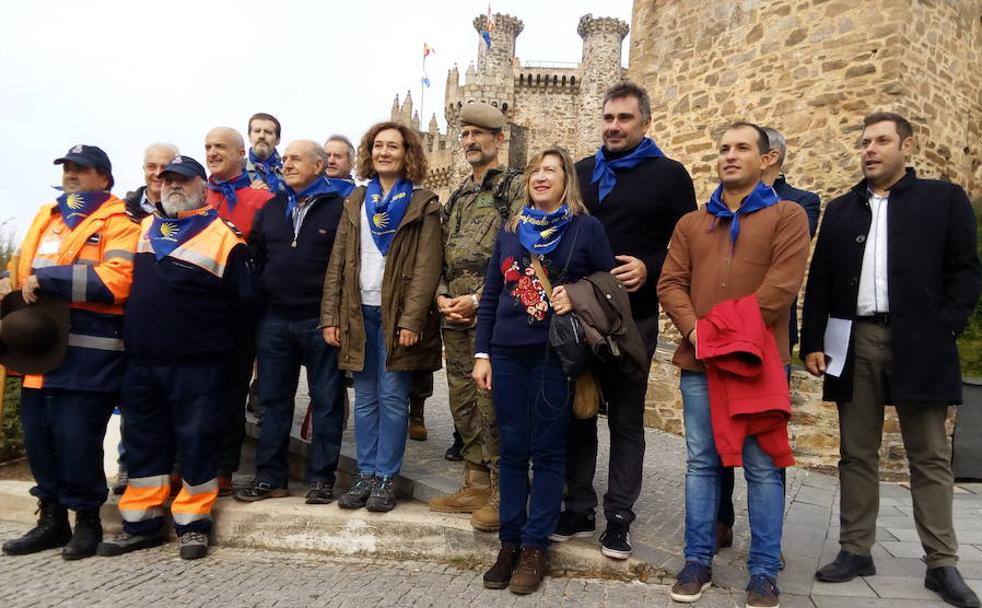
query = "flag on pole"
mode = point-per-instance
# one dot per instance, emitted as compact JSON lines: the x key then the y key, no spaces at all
{"x":428,"y":50}
{"x":486,"y":33}
{"x":425,"y":80}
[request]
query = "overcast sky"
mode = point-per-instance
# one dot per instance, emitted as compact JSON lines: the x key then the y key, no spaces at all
{"x":122,"y":74}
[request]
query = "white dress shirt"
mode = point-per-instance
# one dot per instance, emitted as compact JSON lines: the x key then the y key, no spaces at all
{"x":873,"y":296}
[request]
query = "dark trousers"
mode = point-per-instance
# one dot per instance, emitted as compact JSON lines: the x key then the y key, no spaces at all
{"x":422,"y":387}
{"x":624,"y":395}
{"x":533,"y":407}
{"x":233,"y":430}
{"x":63,"y":434}
{"x":922,"y":426}
{"x":283,"y":346}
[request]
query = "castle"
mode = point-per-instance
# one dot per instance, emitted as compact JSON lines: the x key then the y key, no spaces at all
{"x":544,"y":104}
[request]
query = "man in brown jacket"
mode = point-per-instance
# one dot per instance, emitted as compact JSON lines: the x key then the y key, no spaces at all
{"x":744,"y":241}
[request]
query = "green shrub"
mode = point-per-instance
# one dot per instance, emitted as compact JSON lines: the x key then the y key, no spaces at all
{"x":11,"y":435}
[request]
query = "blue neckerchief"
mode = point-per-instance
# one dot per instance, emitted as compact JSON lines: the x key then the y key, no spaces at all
{"x":603,"y":172}
{"x":761,"y":197}
{"x":385,"y":213}
{"x":321,"y":185}
{"x":344,"y":186}
{"x":169,"y":233}
{"x":268,"y":170}
{"x":228,"y":187}
{"x":540,"y":232}
{"x":77,"y":206}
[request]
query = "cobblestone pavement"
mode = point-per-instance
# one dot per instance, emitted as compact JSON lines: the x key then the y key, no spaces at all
{"x":239,"y":578}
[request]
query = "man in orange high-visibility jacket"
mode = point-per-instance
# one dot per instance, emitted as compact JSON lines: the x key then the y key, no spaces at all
{"x":193,"y":302}
{"x":79,"y":248}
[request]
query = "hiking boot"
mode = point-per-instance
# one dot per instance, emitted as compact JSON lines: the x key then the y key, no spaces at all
{"x":691,"y":581}
{"x":724,"y":536}
{"x":529,"y":571}
{"x":947,"y":582}
{"x":499,"y":575}
{"x":319,"y":493}
{"x":357,"y":495}
{"x":225,"y":485}
{"x":473,"y":495}
{"x":615,"y":542}
{"x":488,"y":517}
{"x":417,"y":426}
{"x":124,"y":542}
{"x":87,"y":536}
{"x":51,"y":531}
{"x":573,"y":525}
{"x":453,"y":452}
{"x":260,"y":490}
{"x":845,"y":567}
{"x":122,"y":478}
{"x":383,"y":496}
{"x":762,"y":592}
{"x":194,"y":545}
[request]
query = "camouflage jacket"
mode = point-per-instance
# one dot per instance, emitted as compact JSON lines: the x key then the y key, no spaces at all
{"x":471,"y":219}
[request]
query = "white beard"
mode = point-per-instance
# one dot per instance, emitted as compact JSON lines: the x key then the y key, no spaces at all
{"x":177,"y":202}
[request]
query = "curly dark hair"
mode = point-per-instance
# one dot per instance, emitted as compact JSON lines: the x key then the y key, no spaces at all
{"x":414,"y":162}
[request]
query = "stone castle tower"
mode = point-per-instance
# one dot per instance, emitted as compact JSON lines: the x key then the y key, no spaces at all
{"x":544,"y":103}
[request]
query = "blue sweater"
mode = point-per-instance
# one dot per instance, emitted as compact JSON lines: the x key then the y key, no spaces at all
{"x":514,"y":309}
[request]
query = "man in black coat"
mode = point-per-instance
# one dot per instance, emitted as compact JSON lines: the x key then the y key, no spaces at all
{"x":896,"y":257}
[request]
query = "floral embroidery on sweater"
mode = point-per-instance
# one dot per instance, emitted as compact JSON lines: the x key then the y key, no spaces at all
{"x":528,"y":291}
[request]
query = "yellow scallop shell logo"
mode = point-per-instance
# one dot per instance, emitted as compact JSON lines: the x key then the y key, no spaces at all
{"x":169,"y":230}
{"x":74,"y":202}
{"x":381,"y":219}
{"x":548,"y":232}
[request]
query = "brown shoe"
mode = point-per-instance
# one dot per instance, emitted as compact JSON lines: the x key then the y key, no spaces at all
{"x":724,"y":536}
{"x":417,"y":426}
{"x":499,"y":575}
{"x":225,"y":486}
{"x":473,"y":495}
{"x":487,"y":518}
{"x":528,"y":574}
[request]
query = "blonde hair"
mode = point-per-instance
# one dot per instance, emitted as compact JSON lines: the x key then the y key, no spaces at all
{"x":571,"y":187}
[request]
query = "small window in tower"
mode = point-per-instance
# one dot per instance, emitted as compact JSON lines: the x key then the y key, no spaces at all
{"x":504,"y":107}
{"x":572,"y":81}
{"x":564,"y":81}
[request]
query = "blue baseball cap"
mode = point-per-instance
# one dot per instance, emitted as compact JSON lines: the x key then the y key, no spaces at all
{"x":186,"y":166}
{"x":88,"y":156}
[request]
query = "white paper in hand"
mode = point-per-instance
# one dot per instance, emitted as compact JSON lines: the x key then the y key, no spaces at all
{"x":837,"y":344}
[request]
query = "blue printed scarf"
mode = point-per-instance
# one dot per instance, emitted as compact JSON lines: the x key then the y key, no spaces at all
{"x":321,"y":185}
{"x":603,"y":172}
{"x":761,"y":197}
{"x":385,"y":212}
{"x":540,"y":232}
{"x":344,"y":186}
{"x":77,"y":206}
{"x":228,"y":187}
{"x":169,"y":233}
{"x":268,"y":170}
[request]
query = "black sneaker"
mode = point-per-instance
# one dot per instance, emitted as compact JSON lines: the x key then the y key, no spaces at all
{"x":573,"y":525}
{"x":615,"y":542}
{"x":319,"y":493}
{"x":260,"y":490}
{"x":357,"y":495}
{"x":124,"y":542}
{"x":690,"y":582}
{"x":383,"y":496}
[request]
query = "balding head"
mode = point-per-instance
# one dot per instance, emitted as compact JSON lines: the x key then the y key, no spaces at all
{"x":224,"y":153}
{"x":303,"y":162}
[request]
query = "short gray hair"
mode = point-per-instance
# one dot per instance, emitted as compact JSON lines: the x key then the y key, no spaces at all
{"x":314,"y":149}
{"x":776,"y":142}
{"x":346,"y":142}
{"x":171,"y":148}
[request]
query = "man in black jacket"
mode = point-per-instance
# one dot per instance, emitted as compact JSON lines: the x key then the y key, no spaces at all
{"x":291,"y":241}
{"x":638,"y":194}
{"x":896,"y":257}
{"x":141,"y":202}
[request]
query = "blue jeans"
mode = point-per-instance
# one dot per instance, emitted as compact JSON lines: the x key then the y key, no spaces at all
{"x":765,"y":492}
{"x":283,"y":346}
{"x":381,"y":404}
{"x":532,"y":402}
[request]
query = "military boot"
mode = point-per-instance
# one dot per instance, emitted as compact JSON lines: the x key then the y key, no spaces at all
{"x":417,"y":426}
{"x":486,"y":519}
{"x":473,"y":495}
{"x":52,"y":530}
{"x":88,"y":535}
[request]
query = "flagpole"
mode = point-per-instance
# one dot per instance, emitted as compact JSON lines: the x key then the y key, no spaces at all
{"x":422,"y":92}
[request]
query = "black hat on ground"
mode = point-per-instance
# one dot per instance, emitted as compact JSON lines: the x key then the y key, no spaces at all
{"x":33,"y":337}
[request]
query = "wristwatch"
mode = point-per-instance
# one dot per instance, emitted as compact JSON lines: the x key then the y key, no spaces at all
{"x":474,"y":300}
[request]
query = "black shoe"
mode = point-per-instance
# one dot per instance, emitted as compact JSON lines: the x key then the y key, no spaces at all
{"x":846,"y":567}
{"x":690,"y":582}
{"x":762,"y":592}
{"x":87,"y":536}
{"x":383,"y":496}
{"x":124,"y":542}
{"x":453,"y":452}
{"x":499,"y":575}
{"x":319,"y":493}
{"x":573,"y":525}
{"x":357,"y":495}
{"x":615,"y":542}
{"x":947,"y":582}
{"x":724,"y":536}
{"x":194,"y":545}
{"x":260,"y":490}
{"x":52,"y":530}
{"x":121,"y":480}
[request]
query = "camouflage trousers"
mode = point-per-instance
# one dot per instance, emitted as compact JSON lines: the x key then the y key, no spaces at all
{"x":471,"y":408}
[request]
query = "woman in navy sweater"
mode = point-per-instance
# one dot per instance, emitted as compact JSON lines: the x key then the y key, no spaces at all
{"x":532,"y":396}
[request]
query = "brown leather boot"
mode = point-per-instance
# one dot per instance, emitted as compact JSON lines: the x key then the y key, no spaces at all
{"x":473,"y":495}
{"x":529,"y":572}
{"x":417,"y":426}
{"x":487,"y":519}
{"x":499,"y":575}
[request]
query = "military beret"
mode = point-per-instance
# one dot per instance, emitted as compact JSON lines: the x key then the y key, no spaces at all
{"x":482,"y":115}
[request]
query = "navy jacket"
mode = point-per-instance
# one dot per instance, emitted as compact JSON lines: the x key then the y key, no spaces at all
{"x":812,"y":205}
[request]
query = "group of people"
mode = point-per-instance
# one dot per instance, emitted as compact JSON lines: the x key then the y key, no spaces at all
{"x":289,"y":262}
